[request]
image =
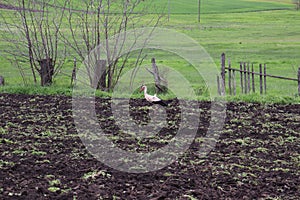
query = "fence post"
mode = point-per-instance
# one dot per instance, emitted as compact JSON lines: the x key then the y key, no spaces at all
{"x":73,"y":78}
{"x":253,"y":79}
{"x":265,"y":78}
{"x":223,"y":71}
{"x":1,"y":80}
{"x":234,"y":82}
{"x":218,"y":83}
{"x":260,"y":79}
{"x":229,"y":77}
{"x":249,"y":80}
{"x":299,"y":81}
{"x":241,"y":77}
{"x":245,"y":77}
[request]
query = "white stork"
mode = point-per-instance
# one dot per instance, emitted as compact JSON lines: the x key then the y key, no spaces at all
{"x":153,"y":99}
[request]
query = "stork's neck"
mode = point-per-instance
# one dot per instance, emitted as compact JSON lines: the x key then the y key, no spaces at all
{"x":145,"y":90}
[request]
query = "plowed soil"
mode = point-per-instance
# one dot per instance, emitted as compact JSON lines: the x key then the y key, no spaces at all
{"x":257,"y":155}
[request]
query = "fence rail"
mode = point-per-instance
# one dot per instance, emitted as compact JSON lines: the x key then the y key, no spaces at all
{"x":247,"y":78}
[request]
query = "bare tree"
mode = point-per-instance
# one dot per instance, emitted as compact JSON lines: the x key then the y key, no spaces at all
{"x":95,"y":25}
{"x":32,"y":35}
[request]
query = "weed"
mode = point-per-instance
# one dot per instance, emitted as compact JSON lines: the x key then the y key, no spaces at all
{"x":38,"y":153}
{"x":4,"y":163}
{"x":49,"y":176}
{"x":47,"y":133}
{"x":42,"y":161}
{"x":19,"y":152}
{"x":53,"y":189}
{"x":167,"y":174}
{"x":261,"y":149}
{"x":6,"y":141}
{"x":95,"y":174}
{"x":190,"y":197}
{"x":3,"y":131}
{"x":55,"y":182}
{"x":242,"y":142}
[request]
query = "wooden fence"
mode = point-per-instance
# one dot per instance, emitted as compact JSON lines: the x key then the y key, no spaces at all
{"x":247,"y":78}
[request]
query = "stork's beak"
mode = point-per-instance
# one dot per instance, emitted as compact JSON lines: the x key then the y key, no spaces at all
{"x":142,"y":88}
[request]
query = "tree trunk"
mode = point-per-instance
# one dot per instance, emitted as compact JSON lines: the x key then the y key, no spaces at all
{"x":46,"y":71}
{"x":99,"y":79}
{"x":160,"y":87}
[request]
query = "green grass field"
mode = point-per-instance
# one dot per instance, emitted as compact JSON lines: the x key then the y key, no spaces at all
{"x":219,"y":6}
{"x":252,"y":31}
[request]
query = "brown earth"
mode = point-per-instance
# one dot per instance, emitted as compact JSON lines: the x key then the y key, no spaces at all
{"x":42,"y":157}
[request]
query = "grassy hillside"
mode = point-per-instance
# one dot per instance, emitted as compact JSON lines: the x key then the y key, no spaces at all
{"x":220,"y":6}
{"x":247,"y":31}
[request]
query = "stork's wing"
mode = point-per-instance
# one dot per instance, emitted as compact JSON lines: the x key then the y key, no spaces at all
{"x":155,"y":98}
{"x":151,"y":98}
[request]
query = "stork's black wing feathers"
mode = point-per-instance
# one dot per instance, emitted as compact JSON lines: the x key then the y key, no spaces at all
{"x":161,"y":102}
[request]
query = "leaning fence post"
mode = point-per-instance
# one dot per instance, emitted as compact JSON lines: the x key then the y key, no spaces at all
{"x":299,"y":81}
{"x":260,"y":79}
{"x":218,"y":83}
